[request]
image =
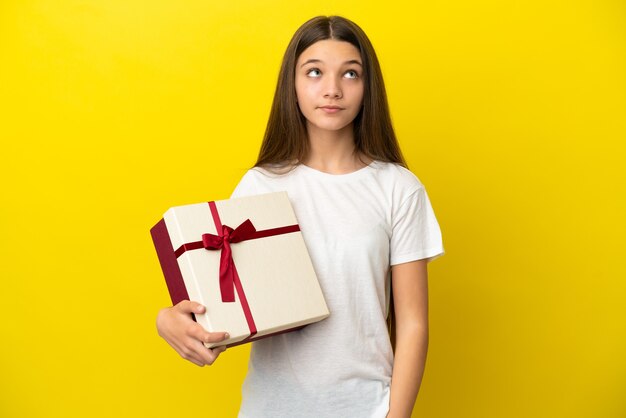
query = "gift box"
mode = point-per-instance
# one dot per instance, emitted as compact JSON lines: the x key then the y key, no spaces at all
{"x":245,"y":260}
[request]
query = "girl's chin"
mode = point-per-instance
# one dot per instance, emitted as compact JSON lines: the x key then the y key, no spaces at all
{"x":328,"y":127}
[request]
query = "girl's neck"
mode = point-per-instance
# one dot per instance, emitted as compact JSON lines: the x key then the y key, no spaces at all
{"x":333,"y":151}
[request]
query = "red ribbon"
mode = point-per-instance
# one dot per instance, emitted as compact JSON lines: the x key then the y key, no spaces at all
{"x":222,"y":242}
{"x":229,"y":279}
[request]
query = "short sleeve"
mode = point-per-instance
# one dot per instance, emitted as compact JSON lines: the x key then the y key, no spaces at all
{"x":415,"y":231}
{"x":246,"y":186}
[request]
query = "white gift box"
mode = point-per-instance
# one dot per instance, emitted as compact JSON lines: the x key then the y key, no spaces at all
{"x":269,"y":285}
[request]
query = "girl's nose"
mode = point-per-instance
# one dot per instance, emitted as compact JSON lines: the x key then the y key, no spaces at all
{"x":333,"y":90}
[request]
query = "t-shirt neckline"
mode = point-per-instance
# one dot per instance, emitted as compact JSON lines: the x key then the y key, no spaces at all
{"x":356,"y":173}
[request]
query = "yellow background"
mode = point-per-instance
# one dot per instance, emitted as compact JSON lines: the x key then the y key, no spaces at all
{"x":513,"y":114}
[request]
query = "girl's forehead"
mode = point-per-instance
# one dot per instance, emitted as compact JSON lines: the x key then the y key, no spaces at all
{"x":330,"y":50}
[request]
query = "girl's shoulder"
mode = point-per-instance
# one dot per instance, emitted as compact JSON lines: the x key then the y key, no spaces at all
{"x":396,"y":174}
{"x":258,"y":180}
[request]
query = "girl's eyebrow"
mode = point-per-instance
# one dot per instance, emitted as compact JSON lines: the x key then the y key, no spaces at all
{"x":315,"y":60}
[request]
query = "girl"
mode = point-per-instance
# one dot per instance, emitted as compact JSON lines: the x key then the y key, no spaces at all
{"x":369,"y":228}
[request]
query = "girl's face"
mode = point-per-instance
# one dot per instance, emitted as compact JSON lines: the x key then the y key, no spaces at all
{"x":329,"y":85}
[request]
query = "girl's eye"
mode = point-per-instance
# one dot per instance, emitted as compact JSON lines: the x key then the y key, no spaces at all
{"x":351,"y":74}
{"x":314,"y":72}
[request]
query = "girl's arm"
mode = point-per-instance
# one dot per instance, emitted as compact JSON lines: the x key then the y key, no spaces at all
{"x":409,"y":283}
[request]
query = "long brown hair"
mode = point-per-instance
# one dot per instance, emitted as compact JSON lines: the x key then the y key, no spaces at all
{"x":286,"y":142}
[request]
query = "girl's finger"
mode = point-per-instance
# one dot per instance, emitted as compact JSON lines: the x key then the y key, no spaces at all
{"x":188,"y":306}
{"x":192,"y":356}
{"x":219,"y":350}
{"x":206,"y":355}
{"x":196,"y":331}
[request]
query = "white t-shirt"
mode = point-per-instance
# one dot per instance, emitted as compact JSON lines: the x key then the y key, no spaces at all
{"x":355,"y":227}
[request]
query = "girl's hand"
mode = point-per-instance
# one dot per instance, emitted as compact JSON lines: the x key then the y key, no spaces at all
{"x":176,"y":326}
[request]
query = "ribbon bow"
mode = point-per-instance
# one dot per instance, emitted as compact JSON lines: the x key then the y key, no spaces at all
{"x":222,"y":242}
